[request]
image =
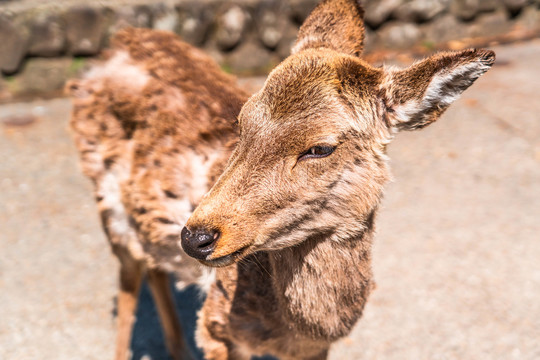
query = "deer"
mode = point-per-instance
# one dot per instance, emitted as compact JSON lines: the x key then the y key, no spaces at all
{"x":267,"y":201}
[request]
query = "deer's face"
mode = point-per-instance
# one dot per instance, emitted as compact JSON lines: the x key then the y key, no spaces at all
{"x":310,"y":158}
{"x":309,"y":161}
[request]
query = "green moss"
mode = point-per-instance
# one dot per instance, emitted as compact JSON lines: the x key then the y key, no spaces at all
{"x":76,"y":66}
{"x":10,"y":79}
{"x":11,"y":83}
{"x":429,"y":45}
{"x":227,"y":68}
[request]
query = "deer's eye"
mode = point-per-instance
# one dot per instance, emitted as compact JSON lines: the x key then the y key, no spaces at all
{"x":318,"y":151}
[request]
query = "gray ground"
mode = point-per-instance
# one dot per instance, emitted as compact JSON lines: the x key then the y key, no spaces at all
{"x":456,"y":259}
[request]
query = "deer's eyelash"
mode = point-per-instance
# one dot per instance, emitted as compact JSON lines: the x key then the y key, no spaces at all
{"x":317,"y":151}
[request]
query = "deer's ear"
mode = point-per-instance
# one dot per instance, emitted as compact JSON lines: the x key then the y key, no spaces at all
{"x":418,"y":95}
{"x":333,"y":24}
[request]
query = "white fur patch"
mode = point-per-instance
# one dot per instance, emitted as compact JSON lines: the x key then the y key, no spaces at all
{"x":110,"y":191}
{"x":435,"y":92}
{"x":122,"y":69}
{"x":176,"y":100}
{"x":207,"y":278}
{"x":180,"y":209}
{"x":300,"y":44}
{"x":119,"y":228}
{"x":404,"y":112}
{"x":200,"y":168}
{"x":197,"y":168}
{"x":461,"y":77}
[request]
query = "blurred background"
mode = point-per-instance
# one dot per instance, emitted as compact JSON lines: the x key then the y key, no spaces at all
{"x":46,"y":42}
{"x":457,"y":255}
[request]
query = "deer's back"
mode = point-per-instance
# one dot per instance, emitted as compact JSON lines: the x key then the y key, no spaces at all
{"x":154,"y":125}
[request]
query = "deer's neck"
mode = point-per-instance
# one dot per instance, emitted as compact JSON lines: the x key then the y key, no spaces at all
{"x":322,"y":285}
{"x":316,"y":290}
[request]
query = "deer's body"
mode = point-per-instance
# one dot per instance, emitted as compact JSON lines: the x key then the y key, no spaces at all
{"x":292,"y":188}
{"x":154,"y":126}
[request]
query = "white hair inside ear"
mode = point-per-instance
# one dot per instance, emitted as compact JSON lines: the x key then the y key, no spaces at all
{"x":418,"y":95}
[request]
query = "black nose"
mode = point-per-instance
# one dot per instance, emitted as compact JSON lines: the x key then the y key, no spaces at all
{"x":199,"y":243}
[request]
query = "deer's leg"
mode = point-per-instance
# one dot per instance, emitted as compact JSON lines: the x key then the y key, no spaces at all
{"x":215,"y":348}
{"x":214,"y":338}
{"x":323,"y":355}
{"x":131,"y":273}
{"x":163,"y":298}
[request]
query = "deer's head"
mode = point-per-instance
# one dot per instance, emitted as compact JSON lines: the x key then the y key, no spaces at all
{"x":310,"y":161}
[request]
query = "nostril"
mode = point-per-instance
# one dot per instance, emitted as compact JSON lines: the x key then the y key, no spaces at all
{"x":199,"y":243}
{"x":185,"y":234}
{"x":204,"y":240}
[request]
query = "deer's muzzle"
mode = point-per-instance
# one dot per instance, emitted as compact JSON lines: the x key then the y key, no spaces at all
{"x":201,"y":244}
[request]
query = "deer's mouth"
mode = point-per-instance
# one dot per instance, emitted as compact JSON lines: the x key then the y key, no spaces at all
{"x":226,"y":260}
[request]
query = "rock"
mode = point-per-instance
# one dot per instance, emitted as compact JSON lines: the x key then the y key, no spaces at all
{"x":300,"y":9}
{"x":465,"y":9}
{"x":420,"y":10}
{"x":289,"y":35}
{"x":491,"y":24}
{"x":144,"y":16}
{"x":194,"y":20}
{"x":47,"y":36}
{"x":165,"y":18}
{"x":230,"y":27}
{"x":85,"y":27}
{"x":399,"y":35}
{"x":378,"y":11}
{"x":371,"y":40}
{"x":14,"y":37}
{"x":446,"y":28}
{"x":249,"y":58}
{"x":488,"y":5}
{"x":270,"y":23}
{"x":44,"y":75}
{"x":529,"y":18}
{"x":136,"y":16}
{"x":514,"y":6}
{"x":5,"y":94}
{"x":269,"y":32}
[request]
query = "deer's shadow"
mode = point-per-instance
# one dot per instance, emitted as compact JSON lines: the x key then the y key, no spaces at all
{"x":147,"y":340}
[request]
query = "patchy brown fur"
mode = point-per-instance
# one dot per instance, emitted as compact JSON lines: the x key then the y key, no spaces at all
{"x":154,"y":126}
{"x":293,"y":231}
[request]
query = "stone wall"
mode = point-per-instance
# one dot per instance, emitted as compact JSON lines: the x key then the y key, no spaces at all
{"x":43,"y":44}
